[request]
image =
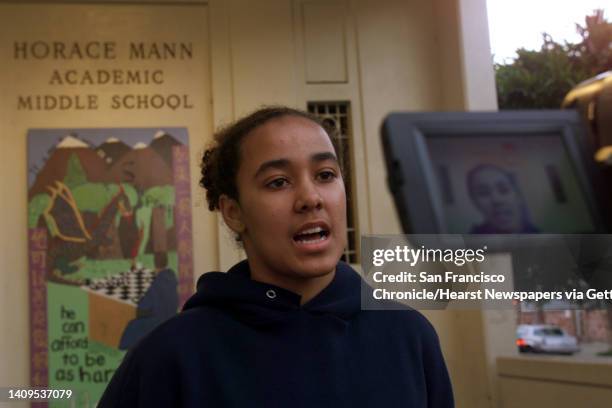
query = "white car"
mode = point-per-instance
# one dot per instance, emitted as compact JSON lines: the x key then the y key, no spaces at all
{"x":545,"y":338}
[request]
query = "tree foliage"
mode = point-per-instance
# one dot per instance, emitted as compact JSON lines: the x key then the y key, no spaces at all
{"x":595,"y":50}
{"x":541,"y":79}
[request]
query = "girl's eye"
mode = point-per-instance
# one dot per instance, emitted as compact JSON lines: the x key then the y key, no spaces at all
{"x":327,"y":175}
{"x":278,"y":183}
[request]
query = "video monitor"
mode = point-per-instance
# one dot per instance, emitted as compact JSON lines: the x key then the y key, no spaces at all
{"x":512,"y":172}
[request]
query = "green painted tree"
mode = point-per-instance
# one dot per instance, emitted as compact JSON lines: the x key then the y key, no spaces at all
{"x":75,"y":175}
{"x":36,"y":207}
{"x":541,"y":79}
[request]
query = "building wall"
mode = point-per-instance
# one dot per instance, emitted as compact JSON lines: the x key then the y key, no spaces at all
{"x":64,"y":22}
{"x":396,"y":55}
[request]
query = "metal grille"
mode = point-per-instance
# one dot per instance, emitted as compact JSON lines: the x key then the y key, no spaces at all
{"x":337,"y":115}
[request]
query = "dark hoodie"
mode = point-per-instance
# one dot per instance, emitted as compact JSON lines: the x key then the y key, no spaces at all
{"x":242,"y":343}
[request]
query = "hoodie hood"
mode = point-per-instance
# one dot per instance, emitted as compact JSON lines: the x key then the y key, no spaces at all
{"x":263,"y":304}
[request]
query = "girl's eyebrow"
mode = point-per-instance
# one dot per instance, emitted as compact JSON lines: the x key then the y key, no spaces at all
{"x":284,"y":163}
{"x":323,"y":156}
{"x":272,"y":164}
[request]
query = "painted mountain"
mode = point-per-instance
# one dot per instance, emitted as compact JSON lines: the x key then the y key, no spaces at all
{"x":102,"y":197}
{"x":163,"y":143}
{"x":70,"y":151}
{"x":112,"y":150}
{"x":143,"y":167}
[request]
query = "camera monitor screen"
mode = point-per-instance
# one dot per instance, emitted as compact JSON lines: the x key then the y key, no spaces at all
{"x":491,"y":173}
{"x":508,"y":184}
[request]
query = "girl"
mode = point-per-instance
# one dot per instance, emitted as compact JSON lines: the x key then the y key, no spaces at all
{"x":284,"y":328}
{"x":496,"y":194}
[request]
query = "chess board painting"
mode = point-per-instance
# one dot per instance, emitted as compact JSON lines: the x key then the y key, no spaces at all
{"x":113,"y":303}
{"x":109,"y":230}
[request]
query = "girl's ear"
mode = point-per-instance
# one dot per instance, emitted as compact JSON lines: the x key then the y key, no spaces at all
{"x":232,"y":215}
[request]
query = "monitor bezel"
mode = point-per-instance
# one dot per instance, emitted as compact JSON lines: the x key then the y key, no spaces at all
{"x":411,"y":177}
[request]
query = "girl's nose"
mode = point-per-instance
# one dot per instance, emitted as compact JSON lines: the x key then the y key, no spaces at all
{"x":308,"y":198}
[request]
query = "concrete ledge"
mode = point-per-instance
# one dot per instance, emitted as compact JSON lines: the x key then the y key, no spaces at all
{"x":556,"y":369}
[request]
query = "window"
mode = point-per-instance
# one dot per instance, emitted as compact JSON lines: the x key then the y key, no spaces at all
{"x":337,"y":115}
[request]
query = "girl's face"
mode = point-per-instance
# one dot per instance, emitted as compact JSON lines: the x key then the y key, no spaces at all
{"x":497,"y":199}
{"x":291,"y":212}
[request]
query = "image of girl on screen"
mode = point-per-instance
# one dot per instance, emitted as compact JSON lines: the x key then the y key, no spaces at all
{"x":285,"y":326}
{"x":497,"y":196}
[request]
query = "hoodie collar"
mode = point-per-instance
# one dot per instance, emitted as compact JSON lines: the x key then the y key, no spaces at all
{"x":262,"y":303}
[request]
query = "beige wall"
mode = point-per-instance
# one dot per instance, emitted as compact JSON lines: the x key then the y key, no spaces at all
{"x":396,"y":55}
{"x":73,"y":22}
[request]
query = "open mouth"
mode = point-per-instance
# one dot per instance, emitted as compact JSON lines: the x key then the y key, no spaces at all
{"x":311,"y":235}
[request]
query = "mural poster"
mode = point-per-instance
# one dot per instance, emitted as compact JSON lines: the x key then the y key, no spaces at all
{"x":110,"y":248}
